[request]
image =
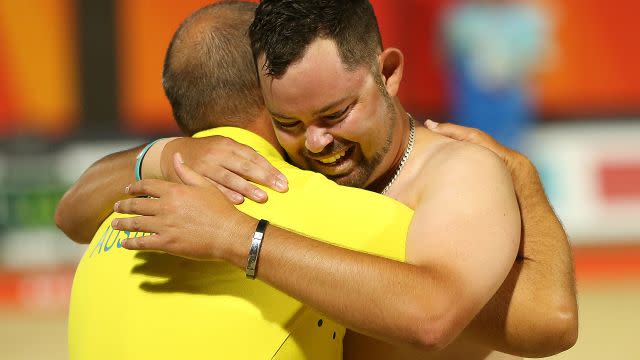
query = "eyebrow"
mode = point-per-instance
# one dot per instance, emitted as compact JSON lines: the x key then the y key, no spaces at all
{"x":324,"y":109}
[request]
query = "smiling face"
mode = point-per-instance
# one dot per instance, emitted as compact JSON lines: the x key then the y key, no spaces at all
{"x":329,"y":119}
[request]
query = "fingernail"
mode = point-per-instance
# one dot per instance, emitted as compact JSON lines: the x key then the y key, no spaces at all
{"x":259,"y":194}
{"x":116,"y":206}
{"x":282,"y":178}
{"x":114,"y":223}
{"x":124,"y":242}
{"x":179,"y":158}
{"x":127,"y":188}
{"x":281,"y":185}
{"x":431,"y":124}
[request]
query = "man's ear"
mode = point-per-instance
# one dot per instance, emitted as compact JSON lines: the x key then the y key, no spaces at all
{"x":391,"y":64}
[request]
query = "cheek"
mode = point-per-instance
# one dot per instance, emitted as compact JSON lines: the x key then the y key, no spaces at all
{"x":291,"y":143}
{"x":364,"y":126}
{"x":357,"y":124}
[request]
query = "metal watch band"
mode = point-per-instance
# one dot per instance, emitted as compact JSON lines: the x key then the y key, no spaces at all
{"x":254,"y":250}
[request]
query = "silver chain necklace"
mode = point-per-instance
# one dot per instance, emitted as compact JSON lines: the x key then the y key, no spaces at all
{"x":407,"y":152}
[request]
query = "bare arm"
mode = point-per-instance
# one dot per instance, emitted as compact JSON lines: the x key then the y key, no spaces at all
{"x":537,"y":304}
{"x":427,"y":305}
{"x":90,"y":200}
{"x":534,"y":313}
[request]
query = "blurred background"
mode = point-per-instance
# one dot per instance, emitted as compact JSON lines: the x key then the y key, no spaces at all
{"x":556,"y":79}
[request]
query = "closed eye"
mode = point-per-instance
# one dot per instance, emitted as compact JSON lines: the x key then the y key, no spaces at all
{"x":338,"y":115}
{"x":286,"y":124}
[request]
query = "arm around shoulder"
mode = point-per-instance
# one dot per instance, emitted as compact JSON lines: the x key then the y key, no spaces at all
{"x":547,"y":264}
{"x":534,"y":313}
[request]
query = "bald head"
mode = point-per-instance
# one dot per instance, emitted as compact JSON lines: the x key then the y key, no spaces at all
{"x":208,"y":75}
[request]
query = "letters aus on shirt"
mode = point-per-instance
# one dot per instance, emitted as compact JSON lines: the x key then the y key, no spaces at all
{"x":112,"y":239}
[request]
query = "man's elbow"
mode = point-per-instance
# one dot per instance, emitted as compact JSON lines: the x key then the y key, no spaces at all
{"x":61,"y":220}
{"x":563,"y":326}
{"x":436,"y":333}
{"x":558,"y":332}
{"x":434,"y":338}
{"x":59,"y":217}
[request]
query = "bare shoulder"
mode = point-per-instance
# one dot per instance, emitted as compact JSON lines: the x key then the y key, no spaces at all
{"x":464,"y":156}
{"x":466,"y":194}
{"x":456,"y":162}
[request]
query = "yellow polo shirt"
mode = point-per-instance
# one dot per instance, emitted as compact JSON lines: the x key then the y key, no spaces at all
{"x":148,"y":305}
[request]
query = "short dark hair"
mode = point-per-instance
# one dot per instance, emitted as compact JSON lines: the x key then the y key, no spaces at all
{"x":282,"y":30}
{"x":208,"y":75}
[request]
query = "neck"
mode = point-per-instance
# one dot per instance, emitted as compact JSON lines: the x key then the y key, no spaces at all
{"x":399,"y":142}
{"x":263,"y":127}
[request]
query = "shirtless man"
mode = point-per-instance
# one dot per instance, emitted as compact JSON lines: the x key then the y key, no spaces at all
{"x":464,"y":252}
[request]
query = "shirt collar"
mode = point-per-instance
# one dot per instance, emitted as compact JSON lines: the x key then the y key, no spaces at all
{"x":245,"y":137}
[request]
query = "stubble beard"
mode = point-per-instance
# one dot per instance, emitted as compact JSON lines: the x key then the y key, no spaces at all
{"x":360,"y":177}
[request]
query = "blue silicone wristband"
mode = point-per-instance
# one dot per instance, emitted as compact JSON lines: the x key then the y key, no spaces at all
{"x":138,"y":169}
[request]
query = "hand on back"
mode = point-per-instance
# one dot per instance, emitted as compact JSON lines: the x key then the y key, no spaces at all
{"x":231,"y":166}
{"x":191,"y":219}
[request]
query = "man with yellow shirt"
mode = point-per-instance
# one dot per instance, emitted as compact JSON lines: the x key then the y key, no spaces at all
{"x":324,"y":289}
{"x":137,"y":305}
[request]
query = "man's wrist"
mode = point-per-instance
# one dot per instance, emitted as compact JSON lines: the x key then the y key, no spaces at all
{"x":167,"y":171}
{"x":527,"y":184}
{"x":150,"y":167}
{"x":239,"y":239}
{"x":520,"y":166}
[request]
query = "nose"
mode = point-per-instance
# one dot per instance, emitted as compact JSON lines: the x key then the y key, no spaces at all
{"x":317,"y":138}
